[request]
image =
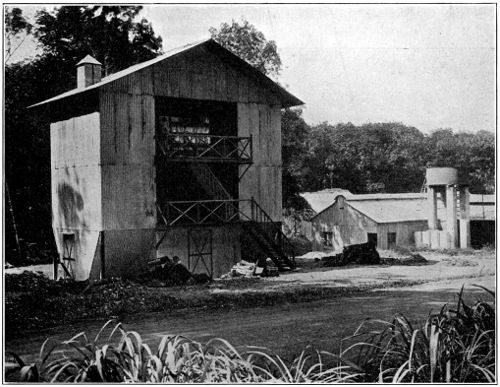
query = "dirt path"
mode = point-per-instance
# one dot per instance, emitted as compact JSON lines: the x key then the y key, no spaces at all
{"x":284,"y":329}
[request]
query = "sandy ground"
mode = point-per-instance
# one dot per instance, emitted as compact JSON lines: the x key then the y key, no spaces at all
{"x":440,"y":267}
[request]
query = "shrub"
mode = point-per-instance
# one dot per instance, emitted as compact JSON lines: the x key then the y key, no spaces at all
{"x":455,"y":345}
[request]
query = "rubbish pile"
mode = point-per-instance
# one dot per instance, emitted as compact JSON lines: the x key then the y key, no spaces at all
{"x":167,"y":272}
{"x":244,"y":269}
{"x":361,"y":254}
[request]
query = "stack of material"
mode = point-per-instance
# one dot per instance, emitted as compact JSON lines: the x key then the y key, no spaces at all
{"x":362,"y":254}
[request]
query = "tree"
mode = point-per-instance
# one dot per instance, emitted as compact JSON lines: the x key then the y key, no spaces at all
{"x":473,"y":154}
{"x":114,"y":37}
{"x":17,"y":29}
{"x":375,"y":157}
{"x":294,"y":137}
{"x":249,"y":44}
{"x":392,"y":157}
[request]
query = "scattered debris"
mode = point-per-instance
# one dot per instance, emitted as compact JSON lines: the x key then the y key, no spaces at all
{"x":414,"y":259}
{"x":242,"y":269}
{"x":459,"y":262}
{"x":245,"y":269}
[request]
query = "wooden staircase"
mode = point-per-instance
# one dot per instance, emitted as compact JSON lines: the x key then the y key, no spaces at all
{"x":222,"y":208}
{"x":203,"y":173}
{"x":269,"y":242}
{"x":269,"y":245}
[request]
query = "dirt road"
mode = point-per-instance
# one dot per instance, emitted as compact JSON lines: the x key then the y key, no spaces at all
{"x":284,"y":329}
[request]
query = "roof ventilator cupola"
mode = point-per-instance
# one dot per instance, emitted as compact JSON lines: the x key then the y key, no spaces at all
{"x":88,"y":72}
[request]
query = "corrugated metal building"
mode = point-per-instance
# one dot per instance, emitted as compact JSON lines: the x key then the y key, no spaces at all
{"x":173,"y":156}
{"x":387,"y":219}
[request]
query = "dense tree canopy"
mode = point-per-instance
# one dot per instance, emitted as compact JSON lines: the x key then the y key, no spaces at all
{"x":111,"y":34}
{"x":392,"y":157}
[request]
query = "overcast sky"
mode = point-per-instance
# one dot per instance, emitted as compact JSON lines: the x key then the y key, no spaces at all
{"x":428,"y":66}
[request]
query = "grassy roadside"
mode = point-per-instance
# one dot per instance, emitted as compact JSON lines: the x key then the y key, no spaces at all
{"x":456,"y":344}
{"x":48,"y":304}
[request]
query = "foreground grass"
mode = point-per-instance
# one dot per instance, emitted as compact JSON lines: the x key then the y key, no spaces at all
{"x":455,"y":345}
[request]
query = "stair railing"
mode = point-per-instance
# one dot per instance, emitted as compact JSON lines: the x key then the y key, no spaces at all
{"x":222,"y":211}
{"x":261,"y":216}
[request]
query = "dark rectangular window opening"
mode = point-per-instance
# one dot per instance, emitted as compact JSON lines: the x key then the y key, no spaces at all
{"x":327,"y":238}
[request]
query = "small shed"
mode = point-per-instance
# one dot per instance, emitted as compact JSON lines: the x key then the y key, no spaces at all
{"x":176,"y":156}
{"x":385,"y":219}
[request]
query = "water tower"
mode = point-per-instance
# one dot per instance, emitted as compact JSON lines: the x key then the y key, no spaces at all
{"x":455,"y":198}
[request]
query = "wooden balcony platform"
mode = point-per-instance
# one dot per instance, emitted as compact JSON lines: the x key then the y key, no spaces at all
{"x":182,"y":147}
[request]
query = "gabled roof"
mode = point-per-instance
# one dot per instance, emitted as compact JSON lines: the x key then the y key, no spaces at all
{"x":287,"y":99}
{"x":321,"y":200}
{"x":401,"y":207}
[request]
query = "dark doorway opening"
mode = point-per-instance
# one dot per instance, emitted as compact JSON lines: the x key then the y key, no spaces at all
{"x":482,"y":233}
{"x":372,"y":238}
{"x":391,"y":240}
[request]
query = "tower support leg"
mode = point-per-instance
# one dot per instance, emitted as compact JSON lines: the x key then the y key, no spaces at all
{"x":451,"y":215}
{"x":464,"y":218}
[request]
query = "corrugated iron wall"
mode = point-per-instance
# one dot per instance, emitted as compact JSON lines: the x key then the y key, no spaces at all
{"x":262,"y":181}
{"x":76,"y":187}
